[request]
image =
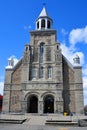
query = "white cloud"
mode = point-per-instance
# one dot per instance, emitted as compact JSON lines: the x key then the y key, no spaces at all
{"x":85,"y":89}
{"x":63,"y":31}
{"x":1,"y":87}
{"x":85,"y":82}
{"x":78,"y":35}
{"x":70,"y":53}
{"x":85,"y":70}
{"x":85,"y":96}
{"x":1,"y":78}
{"x":15,"y":61}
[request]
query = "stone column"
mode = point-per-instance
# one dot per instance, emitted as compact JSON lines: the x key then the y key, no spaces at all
{"x":40,"y":107}
{"x":45,"y":72}
{"x":39,"y":23}
{"x":54,"y":106}
{"x":23,"y":102}
{"x":46,"y":23}
{"x":37,"y":74}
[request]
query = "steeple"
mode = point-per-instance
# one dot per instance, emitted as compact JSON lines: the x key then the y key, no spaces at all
{"x":44,"y":21}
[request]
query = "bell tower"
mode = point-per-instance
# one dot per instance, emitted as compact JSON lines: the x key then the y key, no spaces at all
{"x":43,"y":22}
{"x":46,"y":63}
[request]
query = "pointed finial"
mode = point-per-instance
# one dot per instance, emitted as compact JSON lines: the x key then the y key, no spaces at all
{"x":44,"y":4}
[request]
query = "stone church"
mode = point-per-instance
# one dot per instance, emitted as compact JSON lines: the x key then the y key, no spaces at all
{"x":43,"y":80}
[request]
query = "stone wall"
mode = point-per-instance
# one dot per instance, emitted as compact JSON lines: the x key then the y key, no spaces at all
{"x":15,"y":101}
{"x":68,"y":87}
{"x":16,"y":75}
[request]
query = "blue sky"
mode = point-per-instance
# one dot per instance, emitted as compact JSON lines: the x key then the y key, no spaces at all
{"x":17,"y":18}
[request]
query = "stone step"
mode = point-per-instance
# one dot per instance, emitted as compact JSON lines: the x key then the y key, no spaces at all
{"x":12,"y":121}
{"x":62,"y":123}
{"x":35,"y":120}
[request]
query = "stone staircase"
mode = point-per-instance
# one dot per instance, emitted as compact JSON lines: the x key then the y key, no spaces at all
{"x":35,"y":120}
{"x":82,"y":122}
{"x":61,"y":122}
{"x":11,"y":121}
{"x":50,"y":120}
{"x":46,"y":119}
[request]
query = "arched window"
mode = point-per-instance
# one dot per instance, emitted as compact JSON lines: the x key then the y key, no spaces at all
{"x":41,"y":52}
{"x":11,"y":61}
{"x":38,"y":25}
{"x":41,"y":72}
{"x":33,"y":72}
{"x":48,"y":24}
{"x":57,"y":47}
{"x":43,"y":23}
{"x":49,"y":72}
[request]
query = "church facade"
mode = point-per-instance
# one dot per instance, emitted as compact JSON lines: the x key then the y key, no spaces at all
{"x":43,"y":81}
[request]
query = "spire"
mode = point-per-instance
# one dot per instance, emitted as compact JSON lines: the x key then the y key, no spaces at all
{"x":43,"y":22}
{"x":43,"y":13}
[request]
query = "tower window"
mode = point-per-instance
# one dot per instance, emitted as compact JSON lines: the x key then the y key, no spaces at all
{"x":49,"y":72}
{"x":38,"y":25}
{"x":41,"y":52}
{"x":26,"y":48}
{"x":48,"y":24}
{"x":43,"y":23}
{"x":57,"y":47}
{"x":33,"y":72}
{"x":41,"y":72}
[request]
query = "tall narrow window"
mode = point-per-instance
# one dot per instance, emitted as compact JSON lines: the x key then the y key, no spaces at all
{"x":41,"y":72}
{"x":26,"y":48}
{"x":49,"y":72}
{"x":57,"y":47}
{"x":41,"y":52}
{"x":37,"y":25}
{"x":48,"y":24}
{"x":43,"y":23}
{"x":33,"y":73}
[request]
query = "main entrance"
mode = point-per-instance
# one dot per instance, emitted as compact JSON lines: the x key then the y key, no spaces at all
{"x":32,"y":106}
{"x":49,"y":104}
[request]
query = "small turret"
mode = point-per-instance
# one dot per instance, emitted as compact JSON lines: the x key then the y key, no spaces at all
{"x":76,"y":60}
{"x":12,"y":61}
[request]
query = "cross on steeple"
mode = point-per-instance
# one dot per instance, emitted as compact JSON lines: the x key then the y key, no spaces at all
{"x":44,"y":4}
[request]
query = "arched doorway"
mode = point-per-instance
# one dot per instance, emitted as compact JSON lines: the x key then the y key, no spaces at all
{"x":32,"y":104}
{"x":49,"y":104}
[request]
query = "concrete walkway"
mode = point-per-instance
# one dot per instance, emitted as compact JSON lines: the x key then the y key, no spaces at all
{"x":35,"y":127}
